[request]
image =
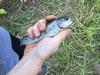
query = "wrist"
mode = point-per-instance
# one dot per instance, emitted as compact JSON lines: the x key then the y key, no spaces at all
{"x":37,"y":53}
{"x":37,"y":61}
{"x":35,"y":56}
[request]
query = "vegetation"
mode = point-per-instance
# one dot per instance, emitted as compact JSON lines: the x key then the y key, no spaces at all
{"x":77,"y":53}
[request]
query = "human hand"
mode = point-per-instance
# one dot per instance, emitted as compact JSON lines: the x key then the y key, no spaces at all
{"x":47,"y":46}
{"x":36,"y":29}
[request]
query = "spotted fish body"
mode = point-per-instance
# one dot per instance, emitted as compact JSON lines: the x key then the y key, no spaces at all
{"x":53,"y":28}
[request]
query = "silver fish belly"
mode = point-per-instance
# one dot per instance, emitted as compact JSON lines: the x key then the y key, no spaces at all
{"x":52,"y":29}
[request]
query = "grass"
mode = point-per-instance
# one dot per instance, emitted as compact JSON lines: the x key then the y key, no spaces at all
{"x":77,"y":53}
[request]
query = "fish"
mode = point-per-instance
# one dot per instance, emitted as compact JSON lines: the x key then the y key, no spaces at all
{"x":52,"y":29}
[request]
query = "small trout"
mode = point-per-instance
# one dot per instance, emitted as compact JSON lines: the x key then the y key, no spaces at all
{"x":53,"y":28}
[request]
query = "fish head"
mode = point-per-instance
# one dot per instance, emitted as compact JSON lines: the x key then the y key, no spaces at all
{"x":65,"y":22}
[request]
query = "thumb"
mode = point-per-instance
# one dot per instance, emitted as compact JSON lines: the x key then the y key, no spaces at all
{"x":62,"y":35}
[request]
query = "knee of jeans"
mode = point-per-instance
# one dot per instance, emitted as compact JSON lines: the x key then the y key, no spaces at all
{"x":3,"y":32}
{"x":4,"y":35}
{"x":5,"y":44}
{"x":5,"y":40}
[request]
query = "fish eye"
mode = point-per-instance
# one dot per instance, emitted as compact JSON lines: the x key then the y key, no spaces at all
{"x":66,"y":18}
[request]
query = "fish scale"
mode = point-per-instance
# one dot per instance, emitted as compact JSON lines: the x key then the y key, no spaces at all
{"x":53,"y":28}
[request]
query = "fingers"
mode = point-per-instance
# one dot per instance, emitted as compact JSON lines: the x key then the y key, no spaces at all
{"x":42,"y":25}
{"x":30,"y":32}
{"x":39,"y":27}
{"x":42,"y":22}
{"x":35,"y":30}
{"x":50,"y":18}
{"x":48,"y":46}
{"x":62,"y":35}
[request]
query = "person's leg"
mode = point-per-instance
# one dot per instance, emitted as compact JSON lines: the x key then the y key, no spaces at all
{"x":8,"y":58}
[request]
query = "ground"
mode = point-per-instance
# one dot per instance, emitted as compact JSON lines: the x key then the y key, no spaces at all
{"x":79,"y":52}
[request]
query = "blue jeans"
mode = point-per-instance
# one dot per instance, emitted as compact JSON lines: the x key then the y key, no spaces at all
{"x":10,"y":52}
{"x":8,"y":57}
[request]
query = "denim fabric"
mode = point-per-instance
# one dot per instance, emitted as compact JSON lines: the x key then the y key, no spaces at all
{"x":8,"y":58}
{"x":10,"y":52}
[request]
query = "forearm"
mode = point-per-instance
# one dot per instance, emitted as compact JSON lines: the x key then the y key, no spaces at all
{"x":27,"y":66}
